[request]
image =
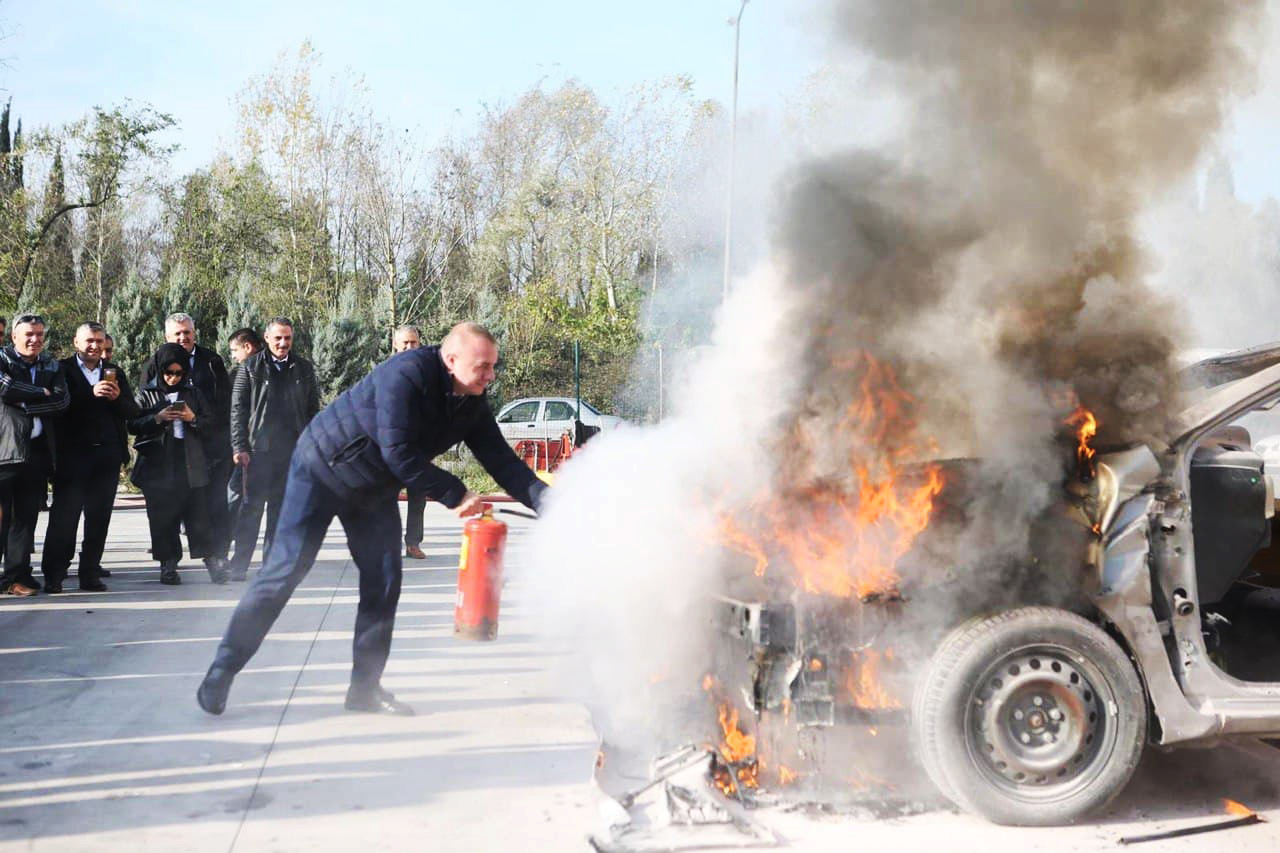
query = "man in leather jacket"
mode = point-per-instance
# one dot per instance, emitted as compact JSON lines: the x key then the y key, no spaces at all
{"x":275,"y":396}
{"x":31,"y":390}
{"x":350,"y":463}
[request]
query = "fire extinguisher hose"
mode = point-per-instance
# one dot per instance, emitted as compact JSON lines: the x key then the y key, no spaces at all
{"x":516,"y":512}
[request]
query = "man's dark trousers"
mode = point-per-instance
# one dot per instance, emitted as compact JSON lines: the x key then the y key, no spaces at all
{"x":372,"y":524}
{"x":264,"y":485}
{"x":85,"y":484}
{"x":26,"y":485}
{"x":415,"y":507}
{"x":218,"y":511}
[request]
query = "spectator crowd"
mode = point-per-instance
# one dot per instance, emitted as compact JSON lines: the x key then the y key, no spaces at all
{"x":212,"y":448}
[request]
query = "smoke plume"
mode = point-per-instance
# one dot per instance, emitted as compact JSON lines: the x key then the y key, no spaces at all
{"x":952,"y":293}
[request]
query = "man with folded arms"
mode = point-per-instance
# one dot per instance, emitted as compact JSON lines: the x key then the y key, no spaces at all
{"x":31,"y":391}
{"x":92,"y":445}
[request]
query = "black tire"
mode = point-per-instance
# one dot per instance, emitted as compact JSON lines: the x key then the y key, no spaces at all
{"x":1031,"y":717}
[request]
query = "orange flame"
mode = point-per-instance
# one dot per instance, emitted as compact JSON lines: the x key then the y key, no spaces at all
{"x":866,"y":687}
{"x":1237,"y":809}
{"x":738,"y":745}
{"x":1086,"y":428}
{"x":845,"y":540}
{"x":786,"y":775}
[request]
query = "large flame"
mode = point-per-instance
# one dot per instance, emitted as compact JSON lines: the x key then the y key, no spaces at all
{"x":845,"y":538}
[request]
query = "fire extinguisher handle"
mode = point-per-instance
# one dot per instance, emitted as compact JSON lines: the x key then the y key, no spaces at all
{"x":517,"y":512}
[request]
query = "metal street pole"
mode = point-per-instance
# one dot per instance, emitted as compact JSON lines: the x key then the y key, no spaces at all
{"x":733,"y":150}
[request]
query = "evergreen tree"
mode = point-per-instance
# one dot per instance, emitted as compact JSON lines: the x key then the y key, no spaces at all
{"x":136,"y":323}
{"x":180,"y":297}
{"x":16,"y":178}
{"x":53,"y":275}
{"x":242,"y":312}
{"x":345,"y":347}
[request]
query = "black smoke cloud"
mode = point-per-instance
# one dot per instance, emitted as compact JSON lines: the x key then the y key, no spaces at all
{"x":1035,"y":134}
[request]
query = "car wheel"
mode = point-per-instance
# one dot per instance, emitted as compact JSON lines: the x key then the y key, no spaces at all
{"x":1030,"y":717}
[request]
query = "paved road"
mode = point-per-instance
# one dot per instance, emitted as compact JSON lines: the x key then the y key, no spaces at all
{"x":103,"y":746}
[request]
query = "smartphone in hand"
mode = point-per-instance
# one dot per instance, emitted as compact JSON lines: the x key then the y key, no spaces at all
{"x":109,"y":375}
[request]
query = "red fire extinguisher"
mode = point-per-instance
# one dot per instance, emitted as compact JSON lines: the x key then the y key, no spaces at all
{"x":475,"y":616}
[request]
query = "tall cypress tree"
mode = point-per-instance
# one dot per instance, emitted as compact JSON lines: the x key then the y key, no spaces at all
{"x":53,"y":276}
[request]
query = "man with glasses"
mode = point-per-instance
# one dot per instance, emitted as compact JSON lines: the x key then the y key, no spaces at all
{"x":92,"y":445}
{"x":32,"y":390}
{"x":208,"y":373}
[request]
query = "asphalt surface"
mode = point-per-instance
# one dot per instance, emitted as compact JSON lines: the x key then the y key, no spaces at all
{"x":103,"y":748}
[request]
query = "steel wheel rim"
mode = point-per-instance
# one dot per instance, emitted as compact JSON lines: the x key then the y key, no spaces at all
{"x":1037,"y":725}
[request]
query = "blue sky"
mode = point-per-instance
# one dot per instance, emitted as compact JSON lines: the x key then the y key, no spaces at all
{"x":431,"y":64}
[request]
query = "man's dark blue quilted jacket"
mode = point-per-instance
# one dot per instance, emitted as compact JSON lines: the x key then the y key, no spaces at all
{"x":385,"y":430}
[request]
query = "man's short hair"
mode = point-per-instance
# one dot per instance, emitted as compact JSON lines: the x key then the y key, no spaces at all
{"x":34,"y":319}
{"x":407,"y":328}
{"x":91,"y":326}
{"x":246,"y":335}
{"x":179,"y":319}
{"x":279,"y":321}
{"x":107,"y":335}
{"x":467,"y":329}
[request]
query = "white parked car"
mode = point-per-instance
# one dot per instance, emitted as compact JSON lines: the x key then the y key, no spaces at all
{"x":548,"y":418}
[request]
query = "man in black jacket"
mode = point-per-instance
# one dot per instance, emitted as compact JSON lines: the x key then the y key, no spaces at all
{"x":402,"y":339}
{"x":350,"y":463}
{"x":92,"y":445}
{"x":31,"y":390}
{"x":275,"y":396}
{"x":209,"y":375}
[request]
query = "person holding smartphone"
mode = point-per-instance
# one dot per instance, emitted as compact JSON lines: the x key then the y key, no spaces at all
{"x":92,"y":445}
{"x":171,"y":469}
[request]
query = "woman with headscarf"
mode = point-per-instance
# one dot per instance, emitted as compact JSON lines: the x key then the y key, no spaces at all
{"x":171,"y":467}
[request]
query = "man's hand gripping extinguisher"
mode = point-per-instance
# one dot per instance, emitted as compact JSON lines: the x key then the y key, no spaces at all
{"x":484,"y":539}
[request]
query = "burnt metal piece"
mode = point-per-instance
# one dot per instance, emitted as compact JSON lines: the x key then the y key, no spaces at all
{"x":1247,"y":820}
{"x":758,"y":623}
{"x":798,"y":651}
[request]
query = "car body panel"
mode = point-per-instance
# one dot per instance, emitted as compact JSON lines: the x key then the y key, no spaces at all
{"x":548,"y":418}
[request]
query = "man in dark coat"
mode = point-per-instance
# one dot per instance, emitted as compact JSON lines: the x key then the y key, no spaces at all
{"x":275,"y":396}
{"x":31,"y":390}
{"x":350,"y":463}
{"x":209,"y":376}
{"x":92,"y":446}
{"x":402,"y":339}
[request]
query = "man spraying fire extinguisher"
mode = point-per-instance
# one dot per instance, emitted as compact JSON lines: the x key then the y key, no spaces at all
{"x":350,"y":463}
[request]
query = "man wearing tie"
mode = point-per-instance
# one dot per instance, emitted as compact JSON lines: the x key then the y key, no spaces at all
{"x":274,"y":398}
{"x":31,"y":390}
{"x":92,"y":445}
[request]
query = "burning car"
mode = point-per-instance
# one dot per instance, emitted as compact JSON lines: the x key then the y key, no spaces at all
{"x":1034,"y":704}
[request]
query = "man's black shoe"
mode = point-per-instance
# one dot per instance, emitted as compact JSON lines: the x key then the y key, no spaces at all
{"x":104,"y":573}
{"x":93,"y":586}
{"x":169,"y":574}
{"x":217,"y":570}
{"x":377,"y":701}
{"x":52,"y":587}
{"x":213,"y":691}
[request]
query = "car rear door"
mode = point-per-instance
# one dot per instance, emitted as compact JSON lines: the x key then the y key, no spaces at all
{"x":557,"y":419}
{"x":520,"y":421}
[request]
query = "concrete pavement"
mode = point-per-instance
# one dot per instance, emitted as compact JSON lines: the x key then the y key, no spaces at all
{"x":104,"y":748}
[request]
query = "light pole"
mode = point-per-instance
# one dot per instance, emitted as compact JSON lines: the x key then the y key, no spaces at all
{"x":733,"y":150}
